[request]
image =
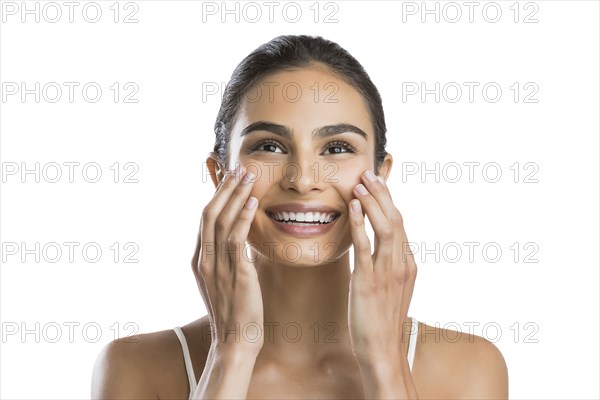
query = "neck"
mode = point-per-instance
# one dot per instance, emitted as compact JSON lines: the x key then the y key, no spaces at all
{"x":305,"y":309}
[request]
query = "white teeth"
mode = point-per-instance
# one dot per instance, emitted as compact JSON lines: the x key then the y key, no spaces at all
{"x":303,"y":217}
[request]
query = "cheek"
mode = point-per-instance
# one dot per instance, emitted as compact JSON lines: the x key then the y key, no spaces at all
{"x":346,"y":178}
{"x":259,"y":190}
{"x":261,"y":187}
{"x":263,"y":179}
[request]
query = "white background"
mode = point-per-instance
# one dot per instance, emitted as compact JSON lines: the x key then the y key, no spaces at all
{"x":547,"y":311}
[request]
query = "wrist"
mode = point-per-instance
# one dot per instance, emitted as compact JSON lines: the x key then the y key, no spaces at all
{"x":383,"y":380}
{"x":379,"y":369}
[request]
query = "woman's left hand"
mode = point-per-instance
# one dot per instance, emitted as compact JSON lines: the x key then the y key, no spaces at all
{"x":381,"y":284}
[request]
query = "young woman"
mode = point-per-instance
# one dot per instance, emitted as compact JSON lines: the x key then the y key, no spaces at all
{"x":299,"y":161}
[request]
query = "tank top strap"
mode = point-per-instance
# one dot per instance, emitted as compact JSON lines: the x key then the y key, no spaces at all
{"x":412,"y":343}
{"x":188,"y":360}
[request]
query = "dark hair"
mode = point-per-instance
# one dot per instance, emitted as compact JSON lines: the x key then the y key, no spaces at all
{"x":292,"y":52}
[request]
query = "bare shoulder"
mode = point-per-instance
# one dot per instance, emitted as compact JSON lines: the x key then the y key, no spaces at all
{"x":462,"y":365}
{"x":148,"y":365}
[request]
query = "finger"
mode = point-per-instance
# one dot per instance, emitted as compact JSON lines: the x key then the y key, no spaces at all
{"x":379,"y":190}
{"x":225,"y":222}
{"x":360,"y":240}
{"x":235,"y":173}
{"x":384,"y":230}
{"x":203,"y":262}
{"x":239,"y":232}
{"x":404,"y":265}
{"x":206,"y":245}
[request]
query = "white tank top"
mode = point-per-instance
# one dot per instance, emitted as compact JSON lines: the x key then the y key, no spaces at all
{"x":412,"y":345}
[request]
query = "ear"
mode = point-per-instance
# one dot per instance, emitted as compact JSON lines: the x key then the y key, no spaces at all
{"x":215,"y":168}
{"x":386,"y":167}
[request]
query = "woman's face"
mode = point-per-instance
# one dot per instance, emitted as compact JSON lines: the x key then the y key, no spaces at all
{"x":307,"y":136}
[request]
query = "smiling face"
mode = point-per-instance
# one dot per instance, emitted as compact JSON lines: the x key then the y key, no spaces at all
{"x":307,"y":136}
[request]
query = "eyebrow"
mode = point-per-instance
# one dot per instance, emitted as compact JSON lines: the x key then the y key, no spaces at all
{"x":284,"y":131}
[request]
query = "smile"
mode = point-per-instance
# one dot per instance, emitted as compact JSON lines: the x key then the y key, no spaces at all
{"x":303,"y":218}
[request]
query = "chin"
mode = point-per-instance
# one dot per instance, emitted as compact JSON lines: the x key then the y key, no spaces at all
{"x":299,"y":252}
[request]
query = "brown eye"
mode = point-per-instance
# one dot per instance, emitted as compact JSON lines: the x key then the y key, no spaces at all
{"x":336,"y":149}
{"x":269,"y":146}
{"x":339,"y":147}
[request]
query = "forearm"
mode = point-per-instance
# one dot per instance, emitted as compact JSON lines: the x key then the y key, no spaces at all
{"x":226,"y":375}
{"x":387,"y":380}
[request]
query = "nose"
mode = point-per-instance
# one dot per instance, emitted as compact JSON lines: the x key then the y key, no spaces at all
{"x":303,"y":175}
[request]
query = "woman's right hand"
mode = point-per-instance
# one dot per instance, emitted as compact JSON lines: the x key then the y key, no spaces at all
{"x":228,"y":282}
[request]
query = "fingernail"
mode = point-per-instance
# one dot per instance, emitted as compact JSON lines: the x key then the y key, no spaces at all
{"x":361,"y":189}
{"x":251,"y":203}
{"x":370,"y":176}
{"x":355,"y":204}
{"x":248,"y":178}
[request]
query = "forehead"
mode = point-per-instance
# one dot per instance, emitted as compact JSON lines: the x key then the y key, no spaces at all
{"x":303,"y":100}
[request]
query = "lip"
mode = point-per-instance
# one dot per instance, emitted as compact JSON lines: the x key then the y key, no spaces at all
{"x":299,"y":230}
